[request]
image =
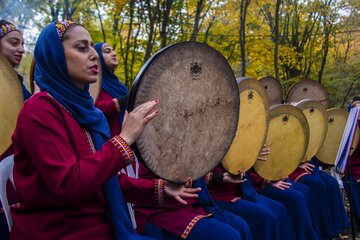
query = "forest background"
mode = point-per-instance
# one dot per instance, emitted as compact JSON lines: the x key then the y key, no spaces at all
{"x":288,"y":39}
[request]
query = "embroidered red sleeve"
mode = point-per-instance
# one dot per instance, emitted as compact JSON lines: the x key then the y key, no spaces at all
{"x":159,"y":191}
{"x":124,"y":149}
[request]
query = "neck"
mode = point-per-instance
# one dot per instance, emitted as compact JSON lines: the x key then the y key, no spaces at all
{"x":111,"y":68}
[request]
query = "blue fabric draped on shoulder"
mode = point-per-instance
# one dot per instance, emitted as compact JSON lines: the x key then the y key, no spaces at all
{"x":52,"y":76}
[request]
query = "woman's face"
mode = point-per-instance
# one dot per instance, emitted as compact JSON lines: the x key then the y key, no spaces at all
{"x":81,"y":57}
{"x":12,"y":47}
{"x":110,"y":58}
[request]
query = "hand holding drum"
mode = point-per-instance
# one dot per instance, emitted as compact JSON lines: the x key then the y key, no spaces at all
{"x":136,"y":121}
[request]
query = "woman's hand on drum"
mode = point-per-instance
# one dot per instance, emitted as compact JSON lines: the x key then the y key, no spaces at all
{"x":230,"y":178}
{"x":281,"y":184}
{"x":180,"y":191}
{"x":264,"y":152}
{"x":135,"y":121}
{"x":308,"y":167}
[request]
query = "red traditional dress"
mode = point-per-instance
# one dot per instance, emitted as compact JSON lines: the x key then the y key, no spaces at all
{"x":167,"y":213}
{"x":58,"y":175}
{"x":111,"y":108}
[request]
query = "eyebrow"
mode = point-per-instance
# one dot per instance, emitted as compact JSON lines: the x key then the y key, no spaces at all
{"x":84,"y":41}
{"x":15,"y":38}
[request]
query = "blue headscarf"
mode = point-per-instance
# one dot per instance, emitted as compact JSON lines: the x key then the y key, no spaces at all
{"x":110,"y":83}
{"x":52,"y":76}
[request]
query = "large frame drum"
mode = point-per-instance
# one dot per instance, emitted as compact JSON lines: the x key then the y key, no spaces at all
{"x":198,"y":110}
{"x":11,"y":100}
{"x":273,"y":89}
{"x":252,"y":127}
{"x":316,"y":117}
{"x":308,"y":89}
{"x":337,"y":119}
{"x":287,"y":138}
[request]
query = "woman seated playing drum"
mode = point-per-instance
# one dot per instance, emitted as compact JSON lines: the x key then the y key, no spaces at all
{"x":12,"y":48}
{"x":267,"y":219}
{"x":65,"y":164}
{"x":112,"y":99}
{"x":158,"y":215}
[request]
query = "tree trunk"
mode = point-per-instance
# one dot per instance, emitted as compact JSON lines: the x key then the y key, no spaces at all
{"x":325,"y":48}
{"x":101,"y":23}
{"x":242,"y":39}
{"x":152,"y":15}
{"x":276,"y":37}
{"x":199,"y":7}
{"x":126,"y":64}
{"x":167,"y":4}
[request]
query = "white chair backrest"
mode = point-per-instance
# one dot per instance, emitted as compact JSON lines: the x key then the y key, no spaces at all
{"x":6,"y":173}
{"x":134,"y":174}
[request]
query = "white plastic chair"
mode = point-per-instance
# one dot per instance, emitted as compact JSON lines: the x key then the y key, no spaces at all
{"x":6,"y":172}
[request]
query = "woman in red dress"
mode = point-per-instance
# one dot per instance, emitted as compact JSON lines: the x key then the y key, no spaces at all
{"x":66,"y":164}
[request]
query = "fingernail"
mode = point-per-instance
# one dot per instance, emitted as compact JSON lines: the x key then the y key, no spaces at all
{"x":157,"y":100}
{"x":156,"y":111}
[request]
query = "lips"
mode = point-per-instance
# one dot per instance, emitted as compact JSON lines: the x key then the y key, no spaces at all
{"x":95,"y":69}
{"x":18,"y":58}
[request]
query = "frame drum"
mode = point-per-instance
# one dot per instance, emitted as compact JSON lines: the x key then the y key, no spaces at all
{"x":316,"y":117}
{"x":337,"y":119}
{"x":198,"y":106}
{"x":308,"y":89}
{"x":11,"y":100}
{"x":287,"y":138}
{"x":273,"y":89}
{"x":252,"y":127}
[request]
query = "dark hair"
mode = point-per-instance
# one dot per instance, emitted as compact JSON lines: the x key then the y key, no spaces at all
{"x":356,"y":98}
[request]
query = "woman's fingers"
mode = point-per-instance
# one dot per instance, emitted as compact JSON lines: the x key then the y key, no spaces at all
{"x":192,"y":190}
{"x":180,"y":200}
{"x":149,"y":117}
{"x":188,"y":195}
{"x":145,"y":106}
